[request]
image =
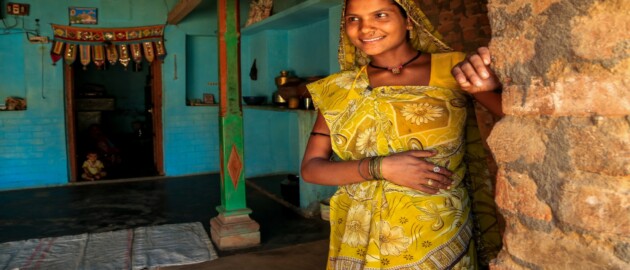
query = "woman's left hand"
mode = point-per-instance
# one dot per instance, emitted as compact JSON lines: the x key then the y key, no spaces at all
{"x":474,"y":74}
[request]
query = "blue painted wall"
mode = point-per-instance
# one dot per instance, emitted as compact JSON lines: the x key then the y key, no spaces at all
{"x":202,"y":66}
{"x":33,"y":142}
{"x":271,"y":141}
{"x":12,"y":52}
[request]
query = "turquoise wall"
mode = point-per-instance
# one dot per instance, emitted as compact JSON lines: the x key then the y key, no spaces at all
{"x":33,"y":142}
{"x":12,"y":53}
{"x":269,"y":50}
{"x":271,"y":141}
{"x":202,"y":66}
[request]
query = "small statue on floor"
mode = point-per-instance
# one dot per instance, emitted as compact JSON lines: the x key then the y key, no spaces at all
{"x":93,"y":169}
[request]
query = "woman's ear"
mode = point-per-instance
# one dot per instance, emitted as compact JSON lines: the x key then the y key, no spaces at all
{"x":409,"y":24}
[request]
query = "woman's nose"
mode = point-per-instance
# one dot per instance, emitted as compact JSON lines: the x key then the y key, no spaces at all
{"x":366,"y":27}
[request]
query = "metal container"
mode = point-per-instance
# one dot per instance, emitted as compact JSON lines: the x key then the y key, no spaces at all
{"x":307,"y":103}
{"x":294,"y":103}
{"x":277,"y":99}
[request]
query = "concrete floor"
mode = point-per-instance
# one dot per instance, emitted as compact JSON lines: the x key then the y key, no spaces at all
{"x":287,"y":239}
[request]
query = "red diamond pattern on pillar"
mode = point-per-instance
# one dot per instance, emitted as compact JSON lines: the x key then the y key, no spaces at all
{"x":235,"y":166}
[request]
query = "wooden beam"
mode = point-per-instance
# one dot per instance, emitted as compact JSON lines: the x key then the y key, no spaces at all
{"x":181,"y":10}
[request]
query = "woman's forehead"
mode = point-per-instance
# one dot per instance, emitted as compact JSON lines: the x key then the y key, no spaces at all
{"x":353,"y":6}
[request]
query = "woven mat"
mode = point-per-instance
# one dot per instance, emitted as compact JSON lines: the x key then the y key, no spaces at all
{"x":139,"y":248}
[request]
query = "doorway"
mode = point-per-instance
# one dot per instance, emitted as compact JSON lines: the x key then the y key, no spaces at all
{"x":115,"y":112}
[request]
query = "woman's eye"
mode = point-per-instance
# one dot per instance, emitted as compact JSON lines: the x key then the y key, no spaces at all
{"x":381,"y":15}
{"x":352,"y":19}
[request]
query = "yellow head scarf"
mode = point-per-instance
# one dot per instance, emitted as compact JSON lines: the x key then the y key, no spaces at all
{"x":423,"y":37}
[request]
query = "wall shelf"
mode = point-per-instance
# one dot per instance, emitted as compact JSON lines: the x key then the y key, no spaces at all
{"x":299,"y":15}
{"x":273,"y":108}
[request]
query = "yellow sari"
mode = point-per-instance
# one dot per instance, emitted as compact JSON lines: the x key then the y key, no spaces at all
{"x":378,"y":224}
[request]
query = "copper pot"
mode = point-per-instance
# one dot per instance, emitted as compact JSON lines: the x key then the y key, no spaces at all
{"x":294,"y":103}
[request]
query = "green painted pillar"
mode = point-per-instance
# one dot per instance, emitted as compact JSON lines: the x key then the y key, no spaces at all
{"x":232,"y":228}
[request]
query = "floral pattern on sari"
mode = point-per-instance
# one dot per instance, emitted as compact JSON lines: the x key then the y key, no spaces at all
{"x":378,"y":224}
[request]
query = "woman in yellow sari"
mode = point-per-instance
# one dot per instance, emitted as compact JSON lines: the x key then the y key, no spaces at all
{"x":398,"y":120}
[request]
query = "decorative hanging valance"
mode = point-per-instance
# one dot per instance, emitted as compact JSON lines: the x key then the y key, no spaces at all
{"x":111,"y":44}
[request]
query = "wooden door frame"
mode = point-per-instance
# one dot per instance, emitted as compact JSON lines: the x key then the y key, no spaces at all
{"x":156,"y":96}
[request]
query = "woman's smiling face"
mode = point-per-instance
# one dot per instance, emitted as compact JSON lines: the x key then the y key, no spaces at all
{"x":375,"y":26}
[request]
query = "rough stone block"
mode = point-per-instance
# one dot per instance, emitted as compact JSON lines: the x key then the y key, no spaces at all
{"x":595,"y":209}
{"x":511,"y":51}
{"x":578,"y":95}
{"x":556,"y":250}
{"x":594,"y":40}
{"x":513,"y":138}
{"x":600,"y":145}
{"x":516,"y":193}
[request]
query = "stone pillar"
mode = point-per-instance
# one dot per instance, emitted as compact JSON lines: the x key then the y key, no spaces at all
{"x":232,"y":228}
{"x":563,"y":149}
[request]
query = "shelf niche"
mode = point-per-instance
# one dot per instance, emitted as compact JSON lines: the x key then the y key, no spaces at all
{"x":301,"y":39}
{"x":297,"y":16}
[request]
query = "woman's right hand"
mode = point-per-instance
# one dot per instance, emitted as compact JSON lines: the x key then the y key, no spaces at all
{"x":410,"y":169}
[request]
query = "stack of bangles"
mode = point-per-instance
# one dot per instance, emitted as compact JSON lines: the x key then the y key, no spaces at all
{"x":374,"y":168}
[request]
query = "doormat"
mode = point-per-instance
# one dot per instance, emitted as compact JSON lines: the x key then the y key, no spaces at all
{"x":140,"y":248}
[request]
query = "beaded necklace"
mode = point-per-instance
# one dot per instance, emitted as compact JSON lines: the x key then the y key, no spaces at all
{"x":398,"y":69}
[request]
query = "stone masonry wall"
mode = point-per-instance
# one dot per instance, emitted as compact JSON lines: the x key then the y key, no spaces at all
{"x":563,"y":149}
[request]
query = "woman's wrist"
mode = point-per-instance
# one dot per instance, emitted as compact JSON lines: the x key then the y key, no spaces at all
{"x":362,"y":170}
{"x":376,"y":168}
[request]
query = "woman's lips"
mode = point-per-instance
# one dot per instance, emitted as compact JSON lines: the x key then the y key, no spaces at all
{"x":368,"y":40}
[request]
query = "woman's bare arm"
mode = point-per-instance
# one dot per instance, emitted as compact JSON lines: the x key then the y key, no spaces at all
{"x":317,"y":167}
{"x":408,"y":168}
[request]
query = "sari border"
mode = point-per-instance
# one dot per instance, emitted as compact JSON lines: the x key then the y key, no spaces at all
{"x":429,"y":261}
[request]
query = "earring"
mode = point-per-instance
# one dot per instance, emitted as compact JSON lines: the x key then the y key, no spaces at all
{"x":411,"y":33}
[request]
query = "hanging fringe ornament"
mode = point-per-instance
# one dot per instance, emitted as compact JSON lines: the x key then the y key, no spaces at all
{"x":148,"y":51}
{"x":112,"y":54}
{"x":136,"y":54}
{"x":98,"y":56}
{"x":161,"y":51}
{"x":108,"y":44}
{"x":55,"y":52}
{"x":124,"y":55}
{"x":71,"y":54}
{"x":85,"y":55}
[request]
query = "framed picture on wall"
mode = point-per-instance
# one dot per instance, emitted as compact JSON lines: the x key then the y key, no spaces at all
{"x":83,"y":15}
